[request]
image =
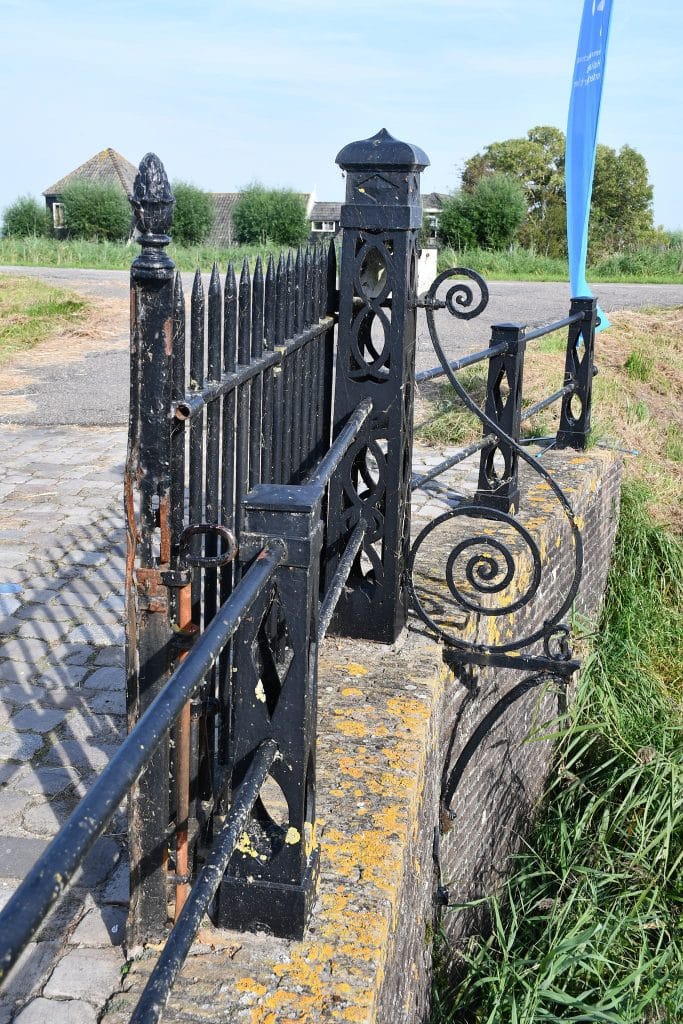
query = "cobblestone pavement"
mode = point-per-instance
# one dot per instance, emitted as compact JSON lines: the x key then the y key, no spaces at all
{"x":62,"y":698}
{"x":62,"y":702}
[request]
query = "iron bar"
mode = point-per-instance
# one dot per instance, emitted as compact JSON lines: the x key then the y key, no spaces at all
{"x":298,"y":357}
{"x":460,"y":364}
{"x":153,"y":1000}
{"x":326,"y":467}
{"x":278,"y":372}
{"x":568,"y":389}
{"x":453,"y":460}
{"x":178,"y":427}
{"x":256,"y":353}
{"x":288,"y":373}
{"x":53,"y":871}
{"x":267,"y":444}
{"x":196,"y":427}
{"x":228,"y":426}
{"x":540,"y":332}
{"x":213,"y":438}
{"x":182,"y":766}
{"x":339,"y":579}
{"x":243,"y":394}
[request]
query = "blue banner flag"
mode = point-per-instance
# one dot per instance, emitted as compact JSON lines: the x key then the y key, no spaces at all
{"x":582,"y":137}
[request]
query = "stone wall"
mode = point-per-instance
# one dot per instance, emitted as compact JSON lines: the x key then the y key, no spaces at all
{"x":393,"y":726}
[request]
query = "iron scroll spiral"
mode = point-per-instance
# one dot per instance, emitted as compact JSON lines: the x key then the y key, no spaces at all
{"x":491,"y":565}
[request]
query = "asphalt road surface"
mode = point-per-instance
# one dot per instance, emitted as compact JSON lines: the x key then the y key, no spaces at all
{"x":92,"y":389}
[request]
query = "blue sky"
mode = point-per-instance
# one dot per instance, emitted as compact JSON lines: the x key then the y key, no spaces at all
{"x":227,"y":92}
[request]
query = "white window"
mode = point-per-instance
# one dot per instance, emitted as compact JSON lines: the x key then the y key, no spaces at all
{"x":58,"y":218}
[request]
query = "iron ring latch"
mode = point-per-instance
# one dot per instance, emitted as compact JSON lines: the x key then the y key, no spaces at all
{"x":208,"y":561}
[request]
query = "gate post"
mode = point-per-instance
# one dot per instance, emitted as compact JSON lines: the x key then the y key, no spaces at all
{"x":271,"y":879}
{"x":575,"y":417}
{"x":147,"y":509}
{"x":381,"y":220}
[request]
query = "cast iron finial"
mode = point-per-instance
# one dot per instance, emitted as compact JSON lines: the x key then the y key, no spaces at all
{"x":152,"y":199}
{"x":382,"y":150}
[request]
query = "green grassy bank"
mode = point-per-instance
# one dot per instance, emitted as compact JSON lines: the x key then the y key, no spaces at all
{"x":589,"y":926}
{"x":663,"y":264}
{"x":658,"y":265}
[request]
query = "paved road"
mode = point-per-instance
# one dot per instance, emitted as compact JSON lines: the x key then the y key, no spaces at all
{"x":93,"y":390}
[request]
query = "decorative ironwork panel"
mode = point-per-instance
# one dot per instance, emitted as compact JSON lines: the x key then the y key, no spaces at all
{"x":494,"y":567}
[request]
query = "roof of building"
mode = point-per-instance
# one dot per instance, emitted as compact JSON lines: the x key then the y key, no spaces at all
{"x":433,"y":200}
{"x":326,"y":211}
{"x":106,"y":167}
{"x":221,"y":230}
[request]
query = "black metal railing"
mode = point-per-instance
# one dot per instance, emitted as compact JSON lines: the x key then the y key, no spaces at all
{"x":267,"y":499}
{"x":53,"y":872}
{"x":488,"y":564}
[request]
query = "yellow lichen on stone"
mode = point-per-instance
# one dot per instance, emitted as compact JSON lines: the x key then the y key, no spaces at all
{"x":350,"y":728}
{"x":390,"y":819}
{"x":293,"y":836}
{"x":352,"y":691}
{"x":251,"y":987}
{"x":354,"y":669}
{"x":349,"y":766}
{"x":356,"y":1014}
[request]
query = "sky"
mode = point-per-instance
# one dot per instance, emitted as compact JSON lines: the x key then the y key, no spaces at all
{"x":231,"y":91}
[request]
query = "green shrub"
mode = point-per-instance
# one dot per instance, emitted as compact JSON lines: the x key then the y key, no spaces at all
{"x":490,"y":216}
{"x":96,"y":211}
{"x":193,"y":215}
{"x":457,"y":223}
{"x":500,"y":209}
{"x":25,"y":217}
{"x":276,"y":215}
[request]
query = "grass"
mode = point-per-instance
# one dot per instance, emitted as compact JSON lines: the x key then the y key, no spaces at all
{"x":588,"y":928}
{"x":663,"y":264}
{"x":50,"y":252}
{"x":658,"y":265}
{"x":30,"y":311}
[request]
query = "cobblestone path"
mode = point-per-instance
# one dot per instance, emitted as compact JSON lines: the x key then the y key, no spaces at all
{"x":62,"y":702}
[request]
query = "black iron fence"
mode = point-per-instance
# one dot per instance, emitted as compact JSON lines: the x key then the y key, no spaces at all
{"x":267,"y":498}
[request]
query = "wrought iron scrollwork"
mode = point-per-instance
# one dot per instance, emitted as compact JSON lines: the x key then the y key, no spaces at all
{"x":507,"y":563}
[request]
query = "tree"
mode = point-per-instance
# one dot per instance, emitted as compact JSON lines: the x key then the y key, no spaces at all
{"x":193,"y":215}
{"x":25,"y":217}
{"x":621,"y":212}
{"x":276,"y":215}
{"x":500,"y":208}
{"x":488,"y":216}
{"x":457,"y":226}
{"x":96,"y":211}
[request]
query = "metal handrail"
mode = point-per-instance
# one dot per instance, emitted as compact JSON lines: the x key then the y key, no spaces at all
{"x":52,"y":873}
{"x":158,"y":988}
